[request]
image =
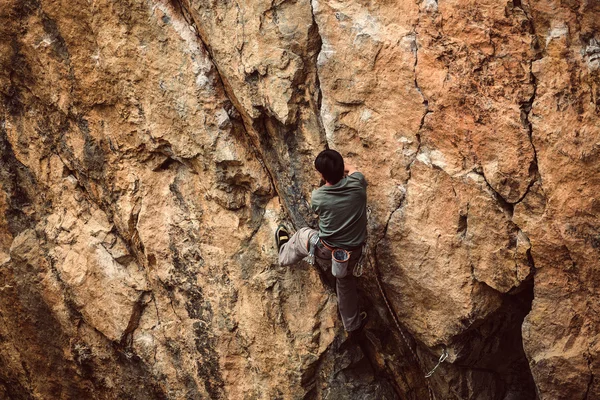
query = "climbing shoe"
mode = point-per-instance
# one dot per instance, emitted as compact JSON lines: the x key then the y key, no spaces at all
{"x":363,"y":320}
{"x":282,"y":236}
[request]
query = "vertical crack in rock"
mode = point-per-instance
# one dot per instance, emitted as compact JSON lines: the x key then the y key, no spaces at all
{"x":588,"y":358}
{"x":527,"y":107}
{"x":402,"y":201}
{"x":507,"y":207}
{"x":406,"y":336}
{"x":15,"y":179}
{"x":425,"y":101}
{"x":316,"y":66}
{"x":134,"y":321}
{"x":192,"y":23}
{"x":463,"y":224}
{"x":415,"y":49}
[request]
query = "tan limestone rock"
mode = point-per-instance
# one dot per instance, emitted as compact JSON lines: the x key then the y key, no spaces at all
{"x":265,"y":54}
{"x":476,"y":75}
{"x":371,"y":108}
{"x":150,"y":148}
{"x":156,"y":200}
{"x":560,"y":334}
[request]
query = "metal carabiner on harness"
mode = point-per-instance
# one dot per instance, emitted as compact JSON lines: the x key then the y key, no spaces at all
{"x":358,"y":268}
{"x":311,"y":252}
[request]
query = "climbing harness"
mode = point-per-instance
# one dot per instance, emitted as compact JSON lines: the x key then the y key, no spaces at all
{"x":358,"y":268}
{"x":339,"y":257}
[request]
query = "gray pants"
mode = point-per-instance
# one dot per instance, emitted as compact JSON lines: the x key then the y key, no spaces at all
{"x":298,"y":247}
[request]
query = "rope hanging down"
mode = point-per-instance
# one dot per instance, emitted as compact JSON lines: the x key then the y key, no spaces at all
{"x":444,"y":354}
{"x":358,"y":272}
{"x":404,"y":338}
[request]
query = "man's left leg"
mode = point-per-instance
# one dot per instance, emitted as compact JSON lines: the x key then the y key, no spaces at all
{"x":296,"y":248}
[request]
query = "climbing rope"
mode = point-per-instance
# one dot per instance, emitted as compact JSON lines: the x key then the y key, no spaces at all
{"x":395,"y":318}
{"x":358,"y":271}
{"x":373,"y":265}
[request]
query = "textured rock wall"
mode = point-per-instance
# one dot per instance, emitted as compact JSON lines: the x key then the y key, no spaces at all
{"x":149,"y":148}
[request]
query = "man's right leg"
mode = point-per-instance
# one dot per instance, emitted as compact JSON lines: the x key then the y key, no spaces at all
{"x":296,"y":248}
{"x":347,"y":294}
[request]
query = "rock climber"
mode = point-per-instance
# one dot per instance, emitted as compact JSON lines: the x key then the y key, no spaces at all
{"x":341,"y":204}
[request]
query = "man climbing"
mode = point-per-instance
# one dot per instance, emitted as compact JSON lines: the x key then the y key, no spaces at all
{"x":341,"y":204}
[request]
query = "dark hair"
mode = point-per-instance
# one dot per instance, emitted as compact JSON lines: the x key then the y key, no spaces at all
{"x":331,"y":164}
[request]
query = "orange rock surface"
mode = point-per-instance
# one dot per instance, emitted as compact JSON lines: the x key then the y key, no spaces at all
{"x":149,"y":149}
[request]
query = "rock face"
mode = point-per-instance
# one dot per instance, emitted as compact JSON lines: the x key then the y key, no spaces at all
{"x":149,"y":149}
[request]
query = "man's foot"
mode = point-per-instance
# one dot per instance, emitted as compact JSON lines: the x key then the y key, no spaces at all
{"x":282,"y":236}
{"x":353,"y":337}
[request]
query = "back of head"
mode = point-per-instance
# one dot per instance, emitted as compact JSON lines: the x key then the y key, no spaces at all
{"x":331,"y":165}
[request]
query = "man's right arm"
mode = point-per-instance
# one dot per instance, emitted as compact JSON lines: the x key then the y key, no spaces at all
{"x":350,"y":169}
